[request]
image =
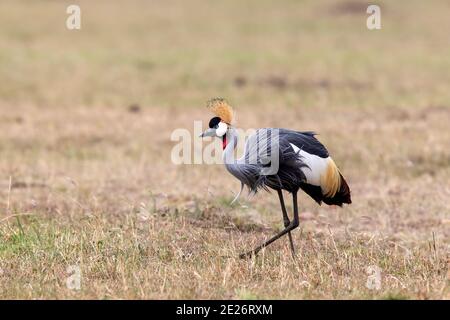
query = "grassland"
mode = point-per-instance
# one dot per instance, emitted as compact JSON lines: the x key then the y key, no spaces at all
{"x":85,"y":171}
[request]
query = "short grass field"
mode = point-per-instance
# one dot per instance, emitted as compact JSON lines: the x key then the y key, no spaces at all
{"x":86,"y":177}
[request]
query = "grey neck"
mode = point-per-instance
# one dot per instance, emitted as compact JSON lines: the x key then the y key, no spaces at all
{"x":228,"y":153}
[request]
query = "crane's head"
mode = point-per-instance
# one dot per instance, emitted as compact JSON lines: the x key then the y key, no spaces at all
{"x":217,"y":128}
{"x":218,"y":125}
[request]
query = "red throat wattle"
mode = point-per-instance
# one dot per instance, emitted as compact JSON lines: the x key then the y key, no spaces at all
{"x":224,"y":142}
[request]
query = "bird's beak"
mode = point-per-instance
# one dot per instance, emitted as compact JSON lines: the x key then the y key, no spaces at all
{"x":210,"y":132}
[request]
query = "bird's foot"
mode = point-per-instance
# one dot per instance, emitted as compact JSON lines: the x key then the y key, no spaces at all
{"x":246,"y":255}
{"x":294,"y":255}
{"x":250,"y":254}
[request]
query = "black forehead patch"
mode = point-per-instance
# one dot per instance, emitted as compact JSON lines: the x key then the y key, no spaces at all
{"x":214,"y":122}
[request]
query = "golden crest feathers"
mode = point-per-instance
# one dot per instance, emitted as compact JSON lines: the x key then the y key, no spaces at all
{"x":222,"y":109}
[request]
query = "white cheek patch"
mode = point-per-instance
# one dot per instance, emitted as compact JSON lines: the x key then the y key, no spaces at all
{"x":222,"y":129}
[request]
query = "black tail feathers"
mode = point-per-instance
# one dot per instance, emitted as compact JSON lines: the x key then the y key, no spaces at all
{"x":341,"y":197}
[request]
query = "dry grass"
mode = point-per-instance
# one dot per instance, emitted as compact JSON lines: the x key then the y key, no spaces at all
{"x":86,"y":177}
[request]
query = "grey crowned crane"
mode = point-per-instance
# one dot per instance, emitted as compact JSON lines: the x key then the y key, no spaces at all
{"x":302,"y":163}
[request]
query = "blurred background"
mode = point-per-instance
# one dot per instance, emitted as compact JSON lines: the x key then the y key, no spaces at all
{"x":86,"y":115}
{"x":172,"y":53}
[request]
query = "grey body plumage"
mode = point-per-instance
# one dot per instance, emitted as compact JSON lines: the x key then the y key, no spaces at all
{"x":250,"y":168}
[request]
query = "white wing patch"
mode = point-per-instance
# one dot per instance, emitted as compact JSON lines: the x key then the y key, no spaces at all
{"x":316,"y":166}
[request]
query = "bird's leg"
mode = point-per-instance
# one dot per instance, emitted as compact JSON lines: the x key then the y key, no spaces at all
{"x":286,"y":221}
{"x":292,"y":225}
